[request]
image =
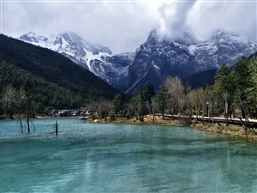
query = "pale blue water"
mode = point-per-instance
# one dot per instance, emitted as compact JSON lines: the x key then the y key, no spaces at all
{"x":123,"y":158}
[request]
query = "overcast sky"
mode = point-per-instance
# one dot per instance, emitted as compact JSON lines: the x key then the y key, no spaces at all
{"x":124,"y":25}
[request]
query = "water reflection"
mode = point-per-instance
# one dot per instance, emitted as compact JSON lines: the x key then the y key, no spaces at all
{"x":124,"y":158}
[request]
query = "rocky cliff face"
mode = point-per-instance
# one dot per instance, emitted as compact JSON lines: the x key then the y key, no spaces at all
{"x":114,"y":69}
{"x":70,"y":45}
{"x":153,"y":61}
{"x":98,"y":59}
{"x":156,"y":58}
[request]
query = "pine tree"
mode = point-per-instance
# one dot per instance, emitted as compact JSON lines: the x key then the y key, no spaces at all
{"x":224,"y":86}
{"x":243,"y":82}
{"x":148,"y":93}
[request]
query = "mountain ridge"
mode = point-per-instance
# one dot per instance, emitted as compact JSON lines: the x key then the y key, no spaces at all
{"x":155,"y":59}
{"x":53,"y":67}
{"x":95,"y":58}
{"x":184,"y":58}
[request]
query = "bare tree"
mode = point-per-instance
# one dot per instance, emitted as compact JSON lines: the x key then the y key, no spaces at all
{"x":176,"y":92}
{"x":13,"y":100}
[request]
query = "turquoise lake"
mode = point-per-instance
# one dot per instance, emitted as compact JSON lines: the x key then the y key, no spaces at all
{"x":122,"y":158}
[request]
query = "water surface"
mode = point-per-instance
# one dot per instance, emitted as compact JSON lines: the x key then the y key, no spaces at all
{"x":122,"y":158}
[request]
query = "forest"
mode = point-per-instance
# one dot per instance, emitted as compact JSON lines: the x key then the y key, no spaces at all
{"x":233,"y":95}
{"x":36,"y":80}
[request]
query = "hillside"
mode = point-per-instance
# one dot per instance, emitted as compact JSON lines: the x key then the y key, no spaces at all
{"x":158,"y":57}
{"x":43,"y":72}
{"x":204,"y":78}
{"x":201,"y":79}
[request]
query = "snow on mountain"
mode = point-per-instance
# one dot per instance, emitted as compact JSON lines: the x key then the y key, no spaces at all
{"x":71,"y":46}
{"x":153,"y":61}
{"x":113,"y":69}
{"x":98,"y":59}
{"x":158,"y":58}
{"x":223,"y":47}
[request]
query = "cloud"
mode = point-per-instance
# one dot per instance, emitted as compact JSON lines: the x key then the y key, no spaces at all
{"x":173,"y":19}
{"x":234,"y":16}
{"x":201,"y":18}
{"x":123,"y":26}
{"x":120,"y":26}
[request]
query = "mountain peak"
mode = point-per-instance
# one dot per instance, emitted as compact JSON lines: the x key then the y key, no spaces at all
{"x":71,"y":36}
{"x":31,"y":33}
{"x":153,"y":37}
{"x":31,"y":37}
{"x":184,"y":38}
{"x":184,"y":56}
{"x":70,"y":45}
{"x":222,"y":35}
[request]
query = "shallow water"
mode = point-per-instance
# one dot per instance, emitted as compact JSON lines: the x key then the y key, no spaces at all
{"x":122,"y":158}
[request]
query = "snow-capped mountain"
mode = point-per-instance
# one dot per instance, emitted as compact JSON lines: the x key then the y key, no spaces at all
{"x":156,"y":58}
{"x":71,"y":46}
{"x":153,"y":61}
{"x":222,"y":47}
{"x":98,"y":59}
{"x":114,"y":69}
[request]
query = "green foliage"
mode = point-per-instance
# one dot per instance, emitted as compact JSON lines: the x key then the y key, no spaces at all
{"x":161,"y":98}
{"x":242,"y":74}
{"x":94,"y":116}
{"x":251,"y":90}
{"x":224,"y":80}
{"x":234,"y":92}
{"x":148,"y":92}
{"x":137,"y":103}
{"x":238,"y":86}
{"x":35,"y":92}
{"x":46,"y":78}
{"x":118,"y":102}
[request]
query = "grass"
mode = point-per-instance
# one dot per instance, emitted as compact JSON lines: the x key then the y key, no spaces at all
{"x":221,"y":129}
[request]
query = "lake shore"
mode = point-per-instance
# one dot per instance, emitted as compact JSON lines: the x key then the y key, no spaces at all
{"x":234,"y":131}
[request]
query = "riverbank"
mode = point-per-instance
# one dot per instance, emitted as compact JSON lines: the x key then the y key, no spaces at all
{"x":234,"y":131}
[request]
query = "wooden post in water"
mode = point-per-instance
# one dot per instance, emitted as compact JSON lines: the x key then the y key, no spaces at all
{"x":28,"y":122}
{"x":56,"y":128}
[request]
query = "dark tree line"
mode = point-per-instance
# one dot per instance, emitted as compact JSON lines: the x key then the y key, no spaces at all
{"x":22,"y":92}
{"x":234,"y":94}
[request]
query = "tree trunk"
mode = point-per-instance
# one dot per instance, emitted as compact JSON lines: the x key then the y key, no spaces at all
{"x":56,"y":128}
{"x":225,"y":96}
{"x":151,"y":108}
{"x":242,"y":108}
{"x":153,"y":114}
{"x":28,"y":123}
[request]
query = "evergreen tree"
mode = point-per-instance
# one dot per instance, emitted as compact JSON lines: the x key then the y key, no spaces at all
{"x":137,"y":104}
{"x":148,"y":93}
{"x":243,"y":82}
{"x":161,"y":99}
{"x":252,"y":95}
{"x":225,"y":87}
{"x":119,"y":103}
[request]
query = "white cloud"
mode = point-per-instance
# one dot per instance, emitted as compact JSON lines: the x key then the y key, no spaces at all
{"x":120,"y":26}
{"x":200,"y":18}
{"x":123,"y":26}
{"x":173,"y":20}
{"x":234,"y":16}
